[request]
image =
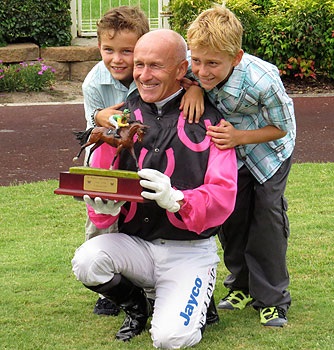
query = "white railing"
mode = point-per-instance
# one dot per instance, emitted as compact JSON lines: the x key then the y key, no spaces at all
{"x":85,"y":13}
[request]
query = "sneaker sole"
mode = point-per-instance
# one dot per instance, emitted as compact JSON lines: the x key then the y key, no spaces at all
{"x":225,"y":305}
{"x":275,"y":323}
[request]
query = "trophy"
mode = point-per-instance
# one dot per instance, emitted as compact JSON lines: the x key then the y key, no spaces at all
{"x":107,"y":184}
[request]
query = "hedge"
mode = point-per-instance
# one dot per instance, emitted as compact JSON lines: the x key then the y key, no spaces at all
{"x":45,"y":23}
{"x":295,"y":35}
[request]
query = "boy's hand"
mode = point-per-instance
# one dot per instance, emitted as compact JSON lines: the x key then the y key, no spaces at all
{"x":186,"y":83}
{"x":192,"y":104}
{"x":224,"y":135}
{"x":102,"y":117}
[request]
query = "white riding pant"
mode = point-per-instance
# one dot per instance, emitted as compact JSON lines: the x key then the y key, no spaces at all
{"x":183,"y":274}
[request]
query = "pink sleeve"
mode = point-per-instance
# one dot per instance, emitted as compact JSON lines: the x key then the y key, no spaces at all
{"x":102,"y":158}
{"x":212,"y":203}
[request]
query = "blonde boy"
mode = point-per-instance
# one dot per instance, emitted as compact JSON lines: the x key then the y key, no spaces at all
{"x":260,"y":124}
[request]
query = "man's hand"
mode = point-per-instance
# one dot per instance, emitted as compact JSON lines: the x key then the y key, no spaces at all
{"x":101,"y":206}
{"x":165,"y":196}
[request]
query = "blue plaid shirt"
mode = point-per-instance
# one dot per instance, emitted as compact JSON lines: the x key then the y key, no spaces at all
{"x":101,"y":90}
{"x":252,"y":98}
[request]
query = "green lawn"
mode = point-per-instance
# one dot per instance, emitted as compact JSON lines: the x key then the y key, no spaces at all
{"x":44,"y":307}
{"x":92,"y":10}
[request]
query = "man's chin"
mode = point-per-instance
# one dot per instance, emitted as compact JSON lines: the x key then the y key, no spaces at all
{"x":148,"y":98}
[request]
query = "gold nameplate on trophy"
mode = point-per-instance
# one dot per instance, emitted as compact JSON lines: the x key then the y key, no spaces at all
{"x":107,"y":184}
{"x":100,"y":184}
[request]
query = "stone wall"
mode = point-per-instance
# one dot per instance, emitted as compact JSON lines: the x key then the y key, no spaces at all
{"x":70,"y":62}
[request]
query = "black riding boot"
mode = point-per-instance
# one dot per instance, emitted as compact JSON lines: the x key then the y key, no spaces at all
{"x":212,"y":316}
{"x":132,"y":300}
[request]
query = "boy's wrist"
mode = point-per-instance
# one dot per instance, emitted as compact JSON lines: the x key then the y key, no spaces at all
{"x":93,"y":115}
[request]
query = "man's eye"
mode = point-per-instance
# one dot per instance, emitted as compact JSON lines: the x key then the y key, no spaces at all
{"x":155,"y":66}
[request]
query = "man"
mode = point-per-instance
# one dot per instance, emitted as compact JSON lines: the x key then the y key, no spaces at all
{"x":166,"y":243}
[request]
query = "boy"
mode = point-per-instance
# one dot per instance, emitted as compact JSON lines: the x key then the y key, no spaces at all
{"x":109,"y":84}
{"x":260,"y":124}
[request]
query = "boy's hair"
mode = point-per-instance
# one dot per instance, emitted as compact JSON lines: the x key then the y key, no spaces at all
{"x":218,"y":29}
{"x":117,"y":19}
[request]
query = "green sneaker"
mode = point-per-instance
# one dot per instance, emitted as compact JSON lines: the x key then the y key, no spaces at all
{"x":273,"y":316}
{"x":235,"y":300}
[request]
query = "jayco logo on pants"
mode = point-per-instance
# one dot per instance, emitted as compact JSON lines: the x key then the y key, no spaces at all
{"x":192,"y":302}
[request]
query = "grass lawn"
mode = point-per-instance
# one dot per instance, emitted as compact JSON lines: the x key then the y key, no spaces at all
{"x":44,"y":307}
{"x":92,"y":10}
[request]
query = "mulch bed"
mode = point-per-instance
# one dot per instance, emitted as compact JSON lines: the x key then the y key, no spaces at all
{"x":308,"y":85}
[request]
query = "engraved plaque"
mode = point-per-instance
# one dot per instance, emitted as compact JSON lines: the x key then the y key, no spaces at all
{"x":100,"y":184}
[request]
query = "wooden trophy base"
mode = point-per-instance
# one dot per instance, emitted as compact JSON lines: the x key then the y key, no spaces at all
{"x":119,"y":185}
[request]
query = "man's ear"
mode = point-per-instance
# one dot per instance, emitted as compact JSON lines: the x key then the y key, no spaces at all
{"x":238,"y":58}
{"x":182,"y":69}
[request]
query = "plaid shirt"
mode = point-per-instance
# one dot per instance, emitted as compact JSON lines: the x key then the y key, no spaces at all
{"x":101,"y":90}
{"x":252,"y":98}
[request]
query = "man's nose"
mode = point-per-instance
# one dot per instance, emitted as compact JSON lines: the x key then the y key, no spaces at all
{"x":146,"y":72}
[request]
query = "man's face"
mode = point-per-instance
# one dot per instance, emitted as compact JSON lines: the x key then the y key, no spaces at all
{"x":212,"y":67}
{"x":117,"y":54}
{"x":156,"y":72}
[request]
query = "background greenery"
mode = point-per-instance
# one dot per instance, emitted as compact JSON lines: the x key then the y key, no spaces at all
{"x":42,"y":306}
{"x":45,"y":23}
{"x":295,"y":35}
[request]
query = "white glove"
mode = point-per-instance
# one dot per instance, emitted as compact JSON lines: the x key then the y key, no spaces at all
{"x":165,"y":196}
{"x":101,"y":206}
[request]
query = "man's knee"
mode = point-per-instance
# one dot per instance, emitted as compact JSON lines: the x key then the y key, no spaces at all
{"x":166,"y":338}
{"x":90,"y":266}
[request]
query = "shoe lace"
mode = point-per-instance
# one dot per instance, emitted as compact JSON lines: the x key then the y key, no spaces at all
{"x":281,"y":312}
{"x":274,"y":312}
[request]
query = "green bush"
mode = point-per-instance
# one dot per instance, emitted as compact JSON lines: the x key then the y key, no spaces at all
{"x":184,"y":12}
{"x":26,"y":77}
{"x":45,"y":23}
{"x":248,"y":12}
{"x":296,"y":36}
{"x":300,"y":32}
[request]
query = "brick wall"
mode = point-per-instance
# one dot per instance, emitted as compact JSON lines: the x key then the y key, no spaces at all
{"x":70,"y":62}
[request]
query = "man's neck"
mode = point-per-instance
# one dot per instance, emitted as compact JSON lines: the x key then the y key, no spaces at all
{"x":161,"y":103}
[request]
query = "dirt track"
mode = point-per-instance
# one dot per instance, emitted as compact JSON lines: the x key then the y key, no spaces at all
{"x":37,"y":141}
